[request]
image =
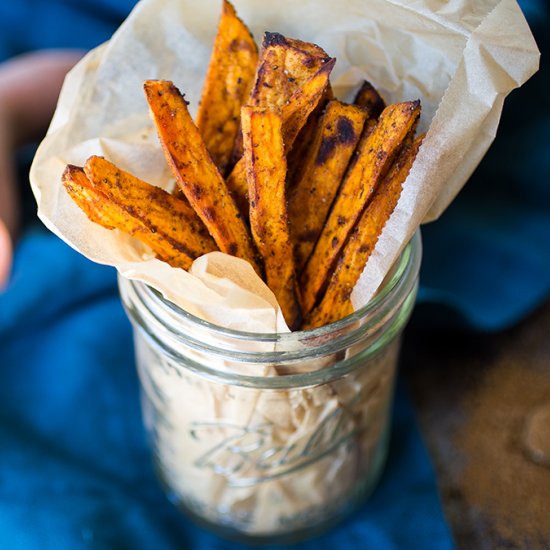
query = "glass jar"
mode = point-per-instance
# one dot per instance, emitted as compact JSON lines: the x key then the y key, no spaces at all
{"x":270,"y":437}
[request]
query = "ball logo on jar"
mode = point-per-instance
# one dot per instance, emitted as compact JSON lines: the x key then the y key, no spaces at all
{"x":248,"y":455}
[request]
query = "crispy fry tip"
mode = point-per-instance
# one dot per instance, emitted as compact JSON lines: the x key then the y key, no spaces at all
{"x":228,"y":8}
{"x":273,"y":39}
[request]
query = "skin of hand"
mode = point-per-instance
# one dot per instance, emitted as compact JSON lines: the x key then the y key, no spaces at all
{"x":5,"y":255}
{"x":29,"y":88}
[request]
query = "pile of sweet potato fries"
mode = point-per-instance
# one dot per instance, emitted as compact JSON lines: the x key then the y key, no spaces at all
{"x":275,"y":171}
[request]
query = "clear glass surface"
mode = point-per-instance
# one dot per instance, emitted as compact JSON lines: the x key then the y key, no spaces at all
{"x":270,"y":437}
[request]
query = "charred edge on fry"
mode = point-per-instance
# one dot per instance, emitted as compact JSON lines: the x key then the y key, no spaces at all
{"x":273,"y":39}
{"x":277,"y":39}
{"x":375,"y":104}
{"x":345,"y":135}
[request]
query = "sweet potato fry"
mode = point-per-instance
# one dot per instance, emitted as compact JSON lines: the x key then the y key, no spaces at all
{"x":324,"y":165}
{"x":264,"y":158}
{"x":238,"y":187}
{"x":368,"y":97}
{"x":294,"y":112}
{"x":374,"y":157}
{"x":336,"y":302}
{"x":285,"y":65}
{"x":195,"y":172}
{"x":94,"y":204}
{"x":227,"y":86}
{"x":304,"y":139}
{"x":116,"y":199}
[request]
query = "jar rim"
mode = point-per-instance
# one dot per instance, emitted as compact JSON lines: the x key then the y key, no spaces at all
{"x":166,"y":325}
{"x":408,"y":261}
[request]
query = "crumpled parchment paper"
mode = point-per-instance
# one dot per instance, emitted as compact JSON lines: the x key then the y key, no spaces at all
{"x":461,"y":58}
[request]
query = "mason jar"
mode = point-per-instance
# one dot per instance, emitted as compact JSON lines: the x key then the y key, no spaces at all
{"x":270,"y":437}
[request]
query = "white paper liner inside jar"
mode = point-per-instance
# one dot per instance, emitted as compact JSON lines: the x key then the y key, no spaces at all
{"x":266,"y":462}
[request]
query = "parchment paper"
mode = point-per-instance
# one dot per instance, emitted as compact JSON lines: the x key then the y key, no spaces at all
{"x":461,"y":58}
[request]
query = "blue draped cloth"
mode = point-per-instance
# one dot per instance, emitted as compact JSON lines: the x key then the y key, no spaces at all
{"x":75,"y":469}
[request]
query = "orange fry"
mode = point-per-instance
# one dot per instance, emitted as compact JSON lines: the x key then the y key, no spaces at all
{"x":296,"y":112}
{"x":336,"y":302}
{"x":116,"y":199}
{"x":324,"y":165}
{"x":195,"y":172}
{"x":264,"y":158}
{"x":227,"y":86}
{"x":375,"y":155}
{"x":285,"y":65}
{"x":94,"y":204}
{"x":304,"y":139}
{"x":295,"y":108}
{"x":368,"y":97}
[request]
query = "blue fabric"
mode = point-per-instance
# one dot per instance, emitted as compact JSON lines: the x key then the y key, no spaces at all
{"x":74,"y":467}
{"x":29,"y":25}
